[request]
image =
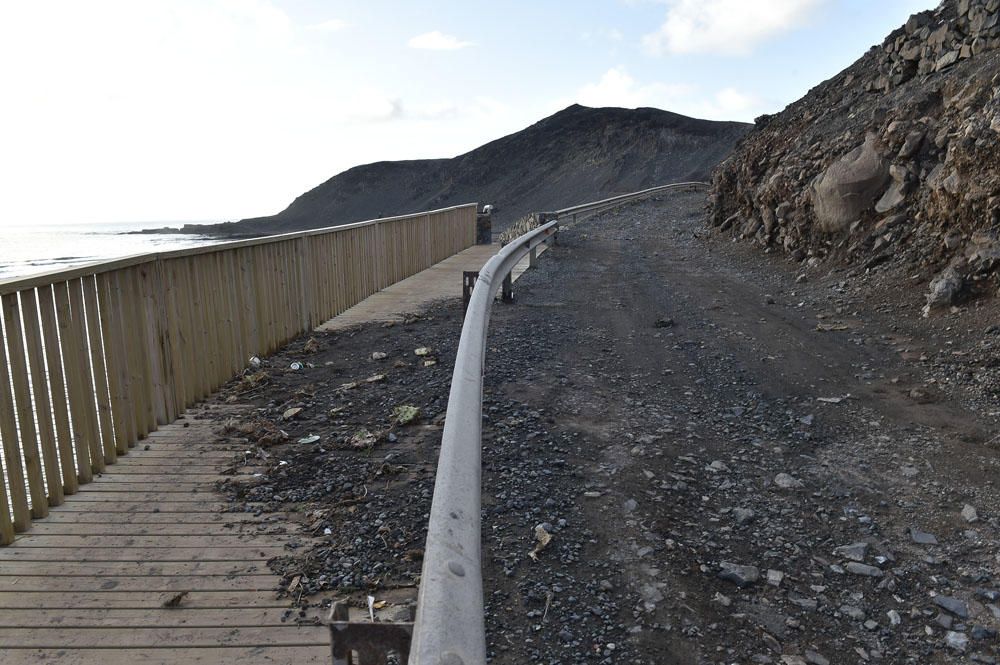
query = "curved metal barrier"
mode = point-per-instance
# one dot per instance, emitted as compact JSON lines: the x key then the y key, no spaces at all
{"x":450,"y":625}
{"x":605,"y":204}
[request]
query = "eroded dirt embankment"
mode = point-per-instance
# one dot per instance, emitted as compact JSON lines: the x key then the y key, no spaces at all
{"x":734,"y":465}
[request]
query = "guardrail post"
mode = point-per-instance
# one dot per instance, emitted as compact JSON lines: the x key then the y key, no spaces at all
{"x":469,"y":278}
{"x":507,"y":290}
{"x":533,"y":257}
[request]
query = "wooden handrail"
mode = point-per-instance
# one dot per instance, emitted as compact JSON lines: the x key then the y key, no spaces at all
{"x":102,"y":354}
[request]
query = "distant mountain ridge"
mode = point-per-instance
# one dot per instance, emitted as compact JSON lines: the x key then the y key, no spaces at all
{"x":577,"y":155}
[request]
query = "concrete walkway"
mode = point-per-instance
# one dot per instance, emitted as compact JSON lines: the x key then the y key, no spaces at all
{"x":417,"y":293}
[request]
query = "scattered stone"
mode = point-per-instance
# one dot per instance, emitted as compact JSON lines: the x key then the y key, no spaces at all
{"x":969,"y":514}
{"x":741,"y":576}
{"x":957,"y":641}
{"x":775,"y":577}
{"x":957,"y":607}
{"x":787,"y":482}
{"x":854,"y":551}
{"x":743,"y":515}
{"x":863,"y":569}
{"x":922,"y":537}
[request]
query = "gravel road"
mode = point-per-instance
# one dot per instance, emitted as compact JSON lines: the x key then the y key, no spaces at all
{"x":736,"y":463}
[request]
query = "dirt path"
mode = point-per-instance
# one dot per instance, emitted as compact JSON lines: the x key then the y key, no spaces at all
{"x":686,"y":376}
{"x":701,"y":435}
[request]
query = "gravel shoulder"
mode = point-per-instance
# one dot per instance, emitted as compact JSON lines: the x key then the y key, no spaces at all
{"x":736,"y":463}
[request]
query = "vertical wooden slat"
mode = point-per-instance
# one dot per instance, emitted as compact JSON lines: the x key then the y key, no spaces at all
{"x":135,"y":341}
{"x":173,"y":345}
{"x":58,"y":389}
{"x":69,"y":339}
{"x":84,"y":393}
{"x":116,"y":357}
{"x":99,"y":368}
{"x":11,"y":450}
{"x":25,"y":408}
{"x":40,"y":397}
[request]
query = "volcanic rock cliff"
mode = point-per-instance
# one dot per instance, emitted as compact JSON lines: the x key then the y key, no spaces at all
{"x":893,"y":164}
{"x":579,"y":154}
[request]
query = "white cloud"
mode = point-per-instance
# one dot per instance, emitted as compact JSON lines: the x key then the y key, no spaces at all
{"x":730,"y":27}
{"x":437,"y":41}
{"x":617,"y":88}
{"x":333,"y":25}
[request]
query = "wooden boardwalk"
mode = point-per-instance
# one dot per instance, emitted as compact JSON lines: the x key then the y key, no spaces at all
{"x":144,"y":566}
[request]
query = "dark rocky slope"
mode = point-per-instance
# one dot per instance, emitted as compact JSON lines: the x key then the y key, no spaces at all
{"x":891,"y":165}
{"x":576,"y":155}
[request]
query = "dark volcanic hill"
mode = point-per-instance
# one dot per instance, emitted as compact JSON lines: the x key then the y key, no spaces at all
{"x":891,"y":166}
{"x":577,"y":155}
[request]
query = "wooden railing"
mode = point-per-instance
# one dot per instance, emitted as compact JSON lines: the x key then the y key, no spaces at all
{"x":94,"y":358}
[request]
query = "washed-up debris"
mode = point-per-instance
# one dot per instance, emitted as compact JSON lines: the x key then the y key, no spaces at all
{"x":543,"y":539}
{"x":379,"y":355}
{"x":832,"y":400}
{"x":251,"y":381}
{"x":375,"y":378}
{"x":363,"y":439}
{"x":291,"y":413}
{"x":423,"y":351}
{"x":831,"y":327}
{"x":351,"y":385}
{"x":430,"y":363}
{"x":296,"y":366}
{"x":312,"y":438}
{"x":664,"y":322}
{"x":254,"y":362}
{"x":311,"y":346}
{"x":405,"y":414}
{"x":264,"y":432}
{"x":371,"y":608}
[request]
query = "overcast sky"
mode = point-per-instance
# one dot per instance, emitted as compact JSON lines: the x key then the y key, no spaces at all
{"x":173,"y":110}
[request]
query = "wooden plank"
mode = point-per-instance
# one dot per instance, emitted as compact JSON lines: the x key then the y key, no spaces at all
{"x":186,"y":638}
{"x":62,"y":516}
{"x":18,"y":496}
{"x":207,"y":530}
{"x":133,"y":506}
{"x":124,"y":415}
{"x":99,"y":370}
{"x":147,"y":583}
{"x":276,"y":655}
{"x":158,"y":617}
{"x":89,"y":454}
{"x":28,"y":540}
{"x":25,"y":408}
{"x":84,"y":554}
{"x":40,"y":396}
{"x":57,"y":389}
{"x":139,"y":600}
{"x":133,"y":569}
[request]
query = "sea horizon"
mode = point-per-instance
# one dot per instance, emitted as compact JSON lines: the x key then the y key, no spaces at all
{"x":28,"y":249}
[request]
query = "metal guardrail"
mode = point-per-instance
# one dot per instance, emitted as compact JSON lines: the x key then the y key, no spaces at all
{"x":450,"y":626}
{"x":450,"y":623}
{"x":605,"y":204}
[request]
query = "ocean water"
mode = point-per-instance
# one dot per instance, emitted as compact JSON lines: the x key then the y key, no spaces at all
{"x":27,"y":250}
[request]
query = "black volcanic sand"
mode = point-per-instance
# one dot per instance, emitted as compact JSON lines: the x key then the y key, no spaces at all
{"x":700,"y":434}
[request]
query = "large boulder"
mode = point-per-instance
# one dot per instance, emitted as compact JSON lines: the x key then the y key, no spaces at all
{"x":849,"y":186}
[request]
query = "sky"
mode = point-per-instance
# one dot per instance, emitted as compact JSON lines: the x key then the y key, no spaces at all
{"x":199,"y":110}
